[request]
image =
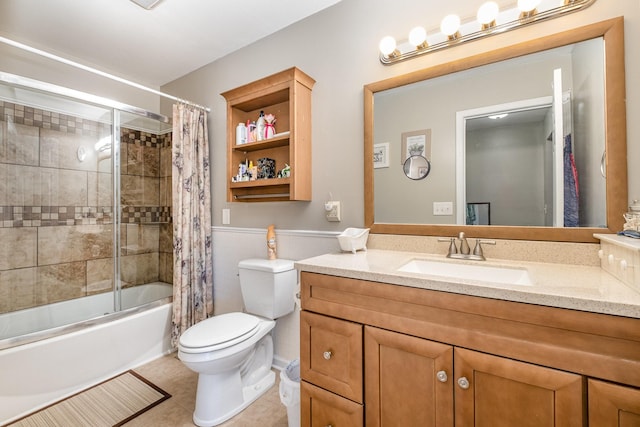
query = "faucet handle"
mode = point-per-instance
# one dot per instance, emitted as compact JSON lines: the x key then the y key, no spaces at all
{"x":452,"y":244}
{"x":477,"y":250}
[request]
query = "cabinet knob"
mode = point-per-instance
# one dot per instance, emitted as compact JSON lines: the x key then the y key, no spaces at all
{"x":327,"y":354}
{"x":463,"y":382}
{"x":442,"y":376}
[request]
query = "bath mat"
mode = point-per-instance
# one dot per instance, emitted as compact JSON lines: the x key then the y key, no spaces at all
{"x":111,"y":403}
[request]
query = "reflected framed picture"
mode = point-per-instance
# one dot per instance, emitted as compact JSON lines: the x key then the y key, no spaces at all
{"x":416,"y":143}
{"x":381,"y":155}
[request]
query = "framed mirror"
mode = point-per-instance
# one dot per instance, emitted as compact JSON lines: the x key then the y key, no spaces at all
{"x":603,"y":179}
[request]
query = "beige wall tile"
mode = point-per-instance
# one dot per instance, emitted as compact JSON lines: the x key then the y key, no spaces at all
{"x":99,"y":191}
{"x":143,"y":161}
{"x":139,"y":269}
{"x":74,"y":243}
{"x":17,"y":289}
{"x":166,"y":238}
{"x":141,"y":238}
{"x":61,"y":282}
{"x":99,"y":275}
{"x":19,"y":185}
{"x":140,"y":191}
{"x":165,"y":273}
{"x":61,"y":150}
{"x":165,"y":191}
{"x":19,"y":248}
{"x":59,"y":187}
{"x":165,"y":161}
{"x":19,"y":144}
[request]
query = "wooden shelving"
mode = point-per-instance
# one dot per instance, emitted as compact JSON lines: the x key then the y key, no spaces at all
{"x":286,"y":95}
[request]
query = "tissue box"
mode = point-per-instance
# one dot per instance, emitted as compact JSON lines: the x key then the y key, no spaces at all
{"x":353,"y":239}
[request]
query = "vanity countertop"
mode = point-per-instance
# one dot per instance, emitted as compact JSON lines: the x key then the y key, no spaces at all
{"x":578,"y":287}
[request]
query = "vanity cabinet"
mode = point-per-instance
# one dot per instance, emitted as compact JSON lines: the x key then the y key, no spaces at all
{"x":431,"y":358}
{"x":613,"y":405}
{"x":286,"y":95}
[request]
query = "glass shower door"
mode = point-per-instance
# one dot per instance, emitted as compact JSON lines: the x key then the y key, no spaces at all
{"x":56,"y":206}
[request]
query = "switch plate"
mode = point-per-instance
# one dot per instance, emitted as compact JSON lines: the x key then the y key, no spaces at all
{"x":443,"y":208}
{"x":332,"y":211}
{"x":226,"y":216}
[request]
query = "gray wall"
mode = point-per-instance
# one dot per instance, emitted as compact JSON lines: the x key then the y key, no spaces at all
{"x":338,"y":48}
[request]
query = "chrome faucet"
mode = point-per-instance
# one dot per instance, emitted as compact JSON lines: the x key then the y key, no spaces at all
{"x":465,"y":250}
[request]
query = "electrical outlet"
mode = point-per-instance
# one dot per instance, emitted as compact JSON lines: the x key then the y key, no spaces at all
{"x":332,"y":211}
{"x":443,"y":208}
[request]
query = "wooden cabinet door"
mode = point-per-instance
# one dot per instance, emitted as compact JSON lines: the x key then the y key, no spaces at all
{"x":408,"y":380}
{"x":613,"y":405}
{"x":320,"y":408}
{"x":331,"y":354}
{"x":492,"y":391}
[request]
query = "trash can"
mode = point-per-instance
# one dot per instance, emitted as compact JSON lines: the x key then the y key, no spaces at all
{"x":290,"y":391}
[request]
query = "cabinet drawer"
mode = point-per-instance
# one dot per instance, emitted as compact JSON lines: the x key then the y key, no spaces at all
{"x":321,"y":408}
{"x":331,"y":354}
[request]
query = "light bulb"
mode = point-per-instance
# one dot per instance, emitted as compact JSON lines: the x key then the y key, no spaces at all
{"x":418,"y":37}
{"x":527,"y":6}
{"x":449,"y":26}
{"x":487,"y":14}
{"x":388,"y":46}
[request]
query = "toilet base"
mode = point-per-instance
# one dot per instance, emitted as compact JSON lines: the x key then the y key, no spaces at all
{"x":207,"y":414}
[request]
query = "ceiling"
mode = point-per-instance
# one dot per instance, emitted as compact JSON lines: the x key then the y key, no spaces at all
{"x":150,"y":47}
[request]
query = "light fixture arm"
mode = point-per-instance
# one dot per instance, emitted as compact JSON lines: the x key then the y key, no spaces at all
{"x":406,"y":51}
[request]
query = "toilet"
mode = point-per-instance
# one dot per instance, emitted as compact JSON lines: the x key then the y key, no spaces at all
{"x":233,"y":352}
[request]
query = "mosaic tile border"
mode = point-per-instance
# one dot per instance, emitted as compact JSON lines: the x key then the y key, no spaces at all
{"x":49,"y":216}
{"x":145,"y":139}
{"x":29,"y":116}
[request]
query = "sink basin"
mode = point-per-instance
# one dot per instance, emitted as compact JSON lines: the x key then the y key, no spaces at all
{"x":484,"y":273}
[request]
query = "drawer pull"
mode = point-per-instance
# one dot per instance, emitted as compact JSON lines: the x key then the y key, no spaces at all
{"x":442,"y":376}
{"x":463,"y":382}
{"x":327,"y":355}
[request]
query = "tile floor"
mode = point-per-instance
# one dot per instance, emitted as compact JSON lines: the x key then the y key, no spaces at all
{"x":170,"y":374}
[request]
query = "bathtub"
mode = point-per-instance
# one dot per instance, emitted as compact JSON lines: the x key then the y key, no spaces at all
{"x":42,"y":367}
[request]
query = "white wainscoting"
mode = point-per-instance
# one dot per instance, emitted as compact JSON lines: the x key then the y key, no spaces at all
{"x":232,"y":244}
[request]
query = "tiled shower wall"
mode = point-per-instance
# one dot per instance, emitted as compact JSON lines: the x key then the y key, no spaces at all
{"x":56,"y":216}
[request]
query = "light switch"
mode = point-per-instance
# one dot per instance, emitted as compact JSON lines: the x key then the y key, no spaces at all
{"x":226,"y":216}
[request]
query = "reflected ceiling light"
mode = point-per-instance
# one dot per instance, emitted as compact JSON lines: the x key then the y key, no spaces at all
{"x":418,"y":38}
{"x":147,"y":4}
{"x":498,"y":116}
{"x":487,"y":15}
{"x":490,"y":19}
{"x":528,"y":8}
{"x":449,"y":27}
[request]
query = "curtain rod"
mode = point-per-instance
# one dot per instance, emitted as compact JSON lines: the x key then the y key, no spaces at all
{"x":98,"y":72}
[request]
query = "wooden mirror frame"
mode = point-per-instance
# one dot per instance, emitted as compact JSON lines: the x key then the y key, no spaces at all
{"x":612,"y":31}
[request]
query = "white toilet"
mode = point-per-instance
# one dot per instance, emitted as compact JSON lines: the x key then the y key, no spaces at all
{"x":232,"y":353}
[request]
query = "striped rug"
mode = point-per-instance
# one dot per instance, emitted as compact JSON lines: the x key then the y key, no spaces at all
{"x":111,"y":403}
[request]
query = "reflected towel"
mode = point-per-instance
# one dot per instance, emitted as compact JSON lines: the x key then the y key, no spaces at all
{"x":571,"y":201}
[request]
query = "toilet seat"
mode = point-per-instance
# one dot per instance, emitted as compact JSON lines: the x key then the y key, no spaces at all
{"x":219,"y":332}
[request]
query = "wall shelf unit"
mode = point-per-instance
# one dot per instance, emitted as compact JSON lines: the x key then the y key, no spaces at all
{"x":286,"y":95}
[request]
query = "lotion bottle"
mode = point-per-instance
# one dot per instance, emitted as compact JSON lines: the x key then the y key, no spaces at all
{"x":271,"y":242}
{"x":260,"y":127}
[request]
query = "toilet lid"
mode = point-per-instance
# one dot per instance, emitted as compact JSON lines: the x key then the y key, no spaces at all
{"x":221,"y":329}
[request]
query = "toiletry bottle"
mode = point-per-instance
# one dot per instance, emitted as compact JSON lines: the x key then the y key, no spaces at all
{"x":241,"y":134}
{"x":252,"y":175}
{"x":260,"y":127}
{"x":271,"y":242}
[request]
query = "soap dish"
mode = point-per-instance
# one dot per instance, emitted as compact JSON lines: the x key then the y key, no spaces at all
{"x":353,"y":239}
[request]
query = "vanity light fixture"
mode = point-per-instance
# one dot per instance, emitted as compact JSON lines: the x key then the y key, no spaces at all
{"x":489,"y":20}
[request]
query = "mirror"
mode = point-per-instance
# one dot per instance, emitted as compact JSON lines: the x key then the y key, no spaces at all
{"x":400,"y":212}
{"x":416,"y":167}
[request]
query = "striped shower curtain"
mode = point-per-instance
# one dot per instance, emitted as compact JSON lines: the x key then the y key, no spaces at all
{"x":192,"y":262}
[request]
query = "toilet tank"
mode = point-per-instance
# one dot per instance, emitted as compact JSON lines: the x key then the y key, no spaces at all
{"x":268,"y":286}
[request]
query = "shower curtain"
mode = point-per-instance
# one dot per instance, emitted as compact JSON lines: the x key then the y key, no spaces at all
{"x":192,"y":262}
